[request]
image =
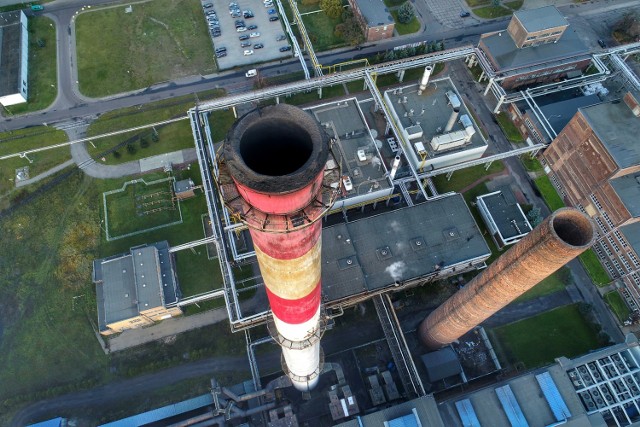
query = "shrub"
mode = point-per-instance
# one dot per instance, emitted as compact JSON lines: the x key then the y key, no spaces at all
{"x":406,"y":13}
{"x":131,"y":149}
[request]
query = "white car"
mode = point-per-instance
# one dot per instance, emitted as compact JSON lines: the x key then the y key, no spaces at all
{"x":251,"y":73}
{"x":254,"y":35}
{"x":248,"y":52}
{"x":241,"y":29}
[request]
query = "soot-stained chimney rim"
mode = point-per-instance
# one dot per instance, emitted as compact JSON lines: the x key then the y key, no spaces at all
{"x":276,"y":149}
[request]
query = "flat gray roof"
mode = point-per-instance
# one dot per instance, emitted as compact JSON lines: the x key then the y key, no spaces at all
{"x":509,"y":57}
{"x":632,"y":235}
{"x":183,"y":185}
{"x":133,"y":282}
{"x":618,"y":129}
{"x":426,"y":408}
{"x":539,"y":19}
{"x":375,"y":12}
{"x":396,"y":246}
{"x":441,"y":364}
{"x":504,"y":210}
{"x":10,"y":52}
{"x":559,"y":113}
{"x":628,"y":189}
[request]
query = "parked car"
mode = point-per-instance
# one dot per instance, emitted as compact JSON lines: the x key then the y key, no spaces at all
{"x":281,"y":37}
{"x":244,"y":37}
{"x":245,"y":44}
{"x":221,"y":49}
{"x":602,"y":43}
{"x":254,"y":35}
{"x":241,"y":29}
{"x":464,"y":14}
{"x":285,"y":48}
{"x":268,"y":4}
{"x":247,"y":14}
{"x":216,"y":33}
{"x":273,"y":18}
{"x":207,"y":5}
{"x":221,"y":54}
{"x":251,"y":73}
{"x":37,"y":7}
{"x":239,"y":23}
{"x":271,"y":12}
{"x":248,"y":52}
{"x":258,"y":46}
{"x":252,"y":27}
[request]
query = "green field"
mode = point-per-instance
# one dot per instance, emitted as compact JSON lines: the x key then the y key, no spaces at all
{"x":159,"y":41}
{"x":141,"y":206}
{"x":320,"y":29}
{"x":474,"y":3}
{"x":538,"y":340}
{"x":531,"y":164}
{"x":595,"y":270}
{"x":408,"y":28}
{"x":549,"y":193}
{"x":490,"y":12}
{"x":197,"y":274}
{"x":43,"y":74}
{"x":617,"y":305}
{"x":554,"y":283}
{"x":508,"y":128}
{"x":465,"y":177}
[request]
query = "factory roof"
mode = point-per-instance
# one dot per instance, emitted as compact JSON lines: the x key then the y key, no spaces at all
{"x":163,"y":413}
{"x":542,"y":18}
{"x":183,"y":185}
{"x":628,"y":189}
{"x":424,"y":408}
{"x":397,"y":246}
{"x":632,"y":235}
{"x":501,"y":47}
{"x":618,"y":129}
{"x":505,"y":212}
{"x":441,"y":364}
{"x":10,"y":52}
{"x":375,"y":12}
{"x":134,"y":282}
{"x":559,"y":113}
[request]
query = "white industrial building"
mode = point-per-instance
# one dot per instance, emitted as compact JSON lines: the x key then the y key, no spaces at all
{"x":14,"y":57}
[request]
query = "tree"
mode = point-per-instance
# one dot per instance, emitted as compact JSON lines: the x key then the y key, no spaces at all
{"x":349,"y":30}
{"x":332,"y":8}
{"x":534,"y":217}
{"x":406,"y":13}
{"x":390,"y":55}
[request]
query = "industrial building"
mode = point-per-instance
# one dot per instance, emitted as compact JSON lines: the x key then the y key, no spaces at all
{"x":135,"y":289}
{"x":436,"y":123}
{"x":503,"y":217}
{"x":595,"y":165}
{"x":374,"y":18}
{"x":538,"y":46}
{"x":14,"y":57}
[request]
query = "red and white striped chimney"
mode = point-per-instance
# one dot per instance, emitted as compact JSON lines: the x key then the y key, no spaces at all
{"x":276,"y":157}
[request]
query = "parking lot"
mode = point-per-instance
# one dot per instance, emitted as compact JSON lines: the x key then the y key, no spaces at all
{"x":245,"y":52}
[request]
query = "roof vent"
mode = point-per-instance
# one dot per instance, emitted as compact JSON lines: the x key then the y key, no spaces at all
{"x":126,"y":295}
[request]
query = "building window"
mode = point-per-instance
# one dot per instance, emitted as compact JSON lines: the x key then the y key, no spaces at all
{"x":617,"y":265}
{"x":596,"y":202}
{"x":606,"y":218}
{"x":636,"y":278}
{"x":614,"y":245}
{"x":634,"y":258}
{"x":598,"y":250}
{"x":600,"y":224}
{"x":610,"y":269}
{"x":618,"y":235}
{"x":625,"y":263}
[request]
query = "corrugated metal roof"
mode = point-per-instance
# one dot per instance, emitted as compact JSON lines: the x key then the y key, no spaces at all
{"x":56,"y":422}
{"x":467,"y":413}
{"x":553,"y":396}
{"x":511,"y":407}
{"x":163,"y":413}
{"x":406,"y":421}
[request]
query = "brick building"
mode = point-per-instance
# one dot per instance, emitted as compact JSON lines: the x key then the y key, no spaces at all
{"x":374,"y":18}
{"x":595,"y":165}
{"x":537,"y":47}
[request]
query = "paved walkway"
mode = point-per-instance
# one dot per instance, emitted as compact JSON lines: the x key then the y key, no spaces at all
{"x":166,"y":328}
{"x":43,"y":175}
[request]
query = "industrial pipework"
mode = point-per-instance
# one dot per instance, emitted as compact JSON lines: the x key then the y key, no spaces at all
{"x":424,"y":81}
{"x":280,"y":187}
{"x":562,"y":236}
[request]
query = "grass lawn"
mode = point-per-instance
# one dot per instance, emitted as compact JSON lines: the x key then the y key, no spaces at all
{"x":531,"y":164}
{"x":356,"y":86}
{"x":196,"y":273}
{"x":554,"y":283}
{"x":617,"y":305}
{"x":170,"y":137}
{"x":538,"y":340}
{"x":508,"y":128}
{"x":302,"y":98}
{"x":549,"y":193}
{"x":141,"y":207}
{"x":408,"y":28}
{"x":514,"y":5}
{"x":474,"y":3}
{"x":43,"y":79}
{"x":320,"y":29}
{"x":416,"y":73}
{"x":489,"y":12}
{"x":160,"y":40}
{"x":595,"y":270}
{"x":24,"y":139}
{"x":220,"y":122}
{"x":393,"y":3}
{"x":465,"y":177}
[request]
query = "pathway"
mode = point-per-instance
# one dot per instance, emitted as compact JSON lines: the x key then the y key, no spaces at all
{"x":45,"y":174}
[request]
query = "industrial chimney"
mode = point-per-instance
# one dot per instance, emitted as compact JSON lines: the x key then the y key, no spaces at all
{"x":276,"y":157}
{"x":452,"y":120}
{"x":564,"y":235}
{"x":424,"y":81}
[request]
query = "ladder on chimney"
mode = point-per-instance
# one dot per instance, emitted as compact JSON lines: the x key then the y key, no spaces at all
{"x":399,"y":350}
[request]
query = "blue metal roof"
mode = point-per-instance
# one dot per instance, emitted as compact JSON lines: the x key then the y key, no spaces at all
{"x":511,"y":407}
{"x":553,"y":396}
{"x":56,"y":422}
{"x":163,"y":413}
{"x":406,"y":421}
{"x":467,"y":413}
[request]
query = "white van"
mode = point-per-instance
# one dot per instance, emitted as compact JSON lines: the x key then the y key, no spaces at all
{"x":251,"y":73}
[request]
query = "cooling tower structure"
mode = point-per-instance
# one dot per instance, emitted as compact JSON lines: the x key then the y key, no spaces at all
{"x":274,"y":178}
{"x":562,"y":236}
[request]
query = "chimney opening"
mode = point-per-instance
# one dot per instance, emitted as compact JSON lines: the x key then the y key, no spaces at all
{"x":275,"y":147}
{"x":574,"y":228}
